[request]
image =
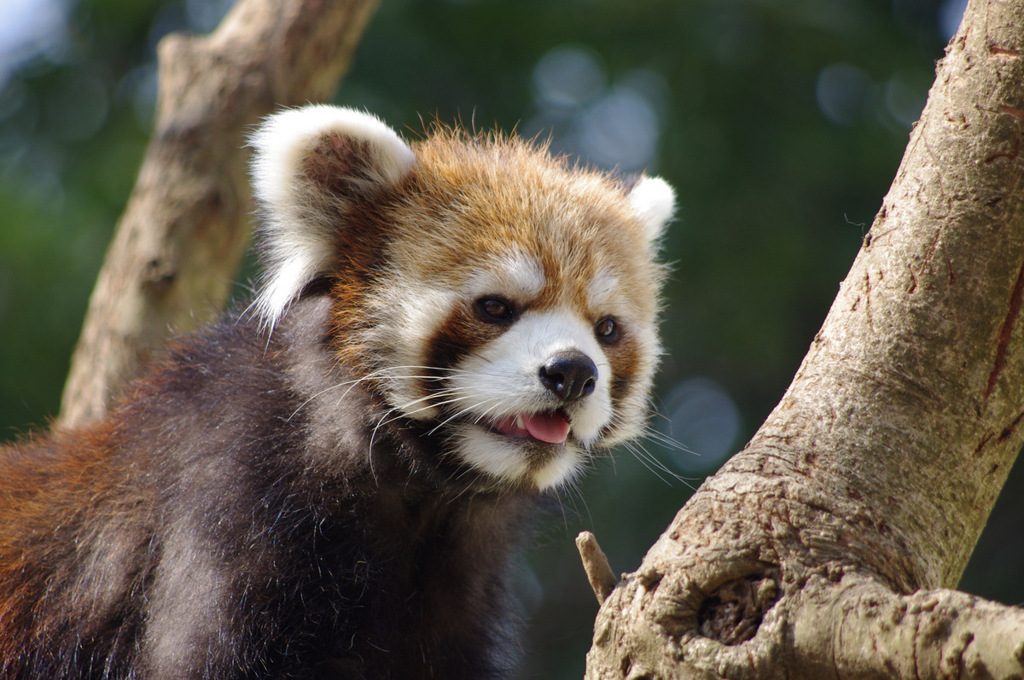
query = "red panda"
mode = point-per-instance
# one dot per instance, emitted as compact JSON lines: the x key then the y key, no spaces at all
{"x":332,"y":483}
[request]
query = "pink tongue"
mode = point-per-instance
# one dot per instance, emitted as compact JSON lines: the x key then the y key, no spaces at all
{"x":552,"y":428}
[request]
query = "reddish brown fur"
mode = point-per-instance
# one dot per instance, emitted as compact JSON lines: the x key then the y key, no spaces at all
{"x":492,"y":194}
{"x":49,"y":486}
{"x":458,"y":209}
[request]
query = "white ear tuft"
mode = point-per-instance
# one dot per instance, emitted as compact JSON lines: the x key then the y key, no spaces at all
{"x":309,"y":165}
{"x":654,"y":202}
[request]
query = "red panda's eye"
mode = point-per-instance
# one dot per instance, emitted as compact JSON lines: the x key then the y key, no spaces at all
{"x":495,"y":308}
{"x":607,"y":330}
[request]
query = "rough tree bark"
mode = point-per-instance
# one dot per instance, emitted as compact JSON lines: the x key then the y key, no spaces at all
{"x":178,"y":244}
{"x":825,"y":549}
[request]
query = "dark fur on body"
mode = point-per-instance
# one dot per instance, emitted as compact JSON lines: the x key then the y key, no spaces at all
{"x":228,"y":522}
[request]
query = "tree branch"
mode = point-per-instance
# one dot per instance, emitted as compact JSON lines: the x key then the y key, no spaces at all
{"x":177,"y":246}
{"x":832,"y":534}
{"x":595,"y":564}
{"x":930,"y":633}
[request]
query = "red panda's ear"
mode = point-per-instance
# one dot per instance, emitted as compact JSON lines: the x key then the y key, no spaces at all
{"x":653,"y":202}
{"x":309,"y":165}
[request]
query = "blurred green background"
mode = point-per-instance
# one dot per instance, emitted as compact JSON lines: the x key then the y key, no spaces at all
{"x":780,"y":123}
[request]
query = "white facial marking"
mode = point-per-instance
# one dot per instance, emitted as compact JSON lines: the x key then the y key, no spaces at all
{"x":515,"y":275}
{"x":407,"y":316}
{"x":495,"y":456}
{"x":558,"y":470}
{"x":503,"y":459}
{"x":502,"y":376}
{"x":502,"y":379}
{"x":602,"y":291}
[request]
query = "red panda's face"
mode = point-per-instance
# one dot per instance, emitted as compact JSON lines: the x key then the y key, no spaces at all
{"x":501,"y":297}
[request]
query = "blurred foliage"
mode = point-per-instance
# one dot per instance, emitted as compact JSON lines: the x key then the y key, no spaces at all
{"x":780,"y":122}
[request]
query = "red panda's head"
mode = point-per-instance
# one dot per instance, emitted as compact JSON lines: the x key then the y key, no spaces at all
{"x":482,"y":286}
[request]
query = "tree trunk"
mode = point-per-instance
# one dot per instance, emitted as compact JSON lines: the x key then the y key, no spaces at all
{"x":177,"y":247}
{"x":823,"y":549}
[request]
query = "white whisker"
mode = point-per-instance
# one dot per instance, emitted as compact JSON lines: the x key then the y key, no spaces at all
{"x":464,"y":411}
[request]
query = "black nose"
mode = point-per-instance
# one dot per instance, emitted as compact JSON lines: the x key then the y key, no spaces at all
{"x":570,"y":374}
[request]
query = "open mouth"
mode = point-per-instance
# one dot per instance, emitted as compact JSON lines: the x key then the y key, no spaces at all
{"x":551,"y":427}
